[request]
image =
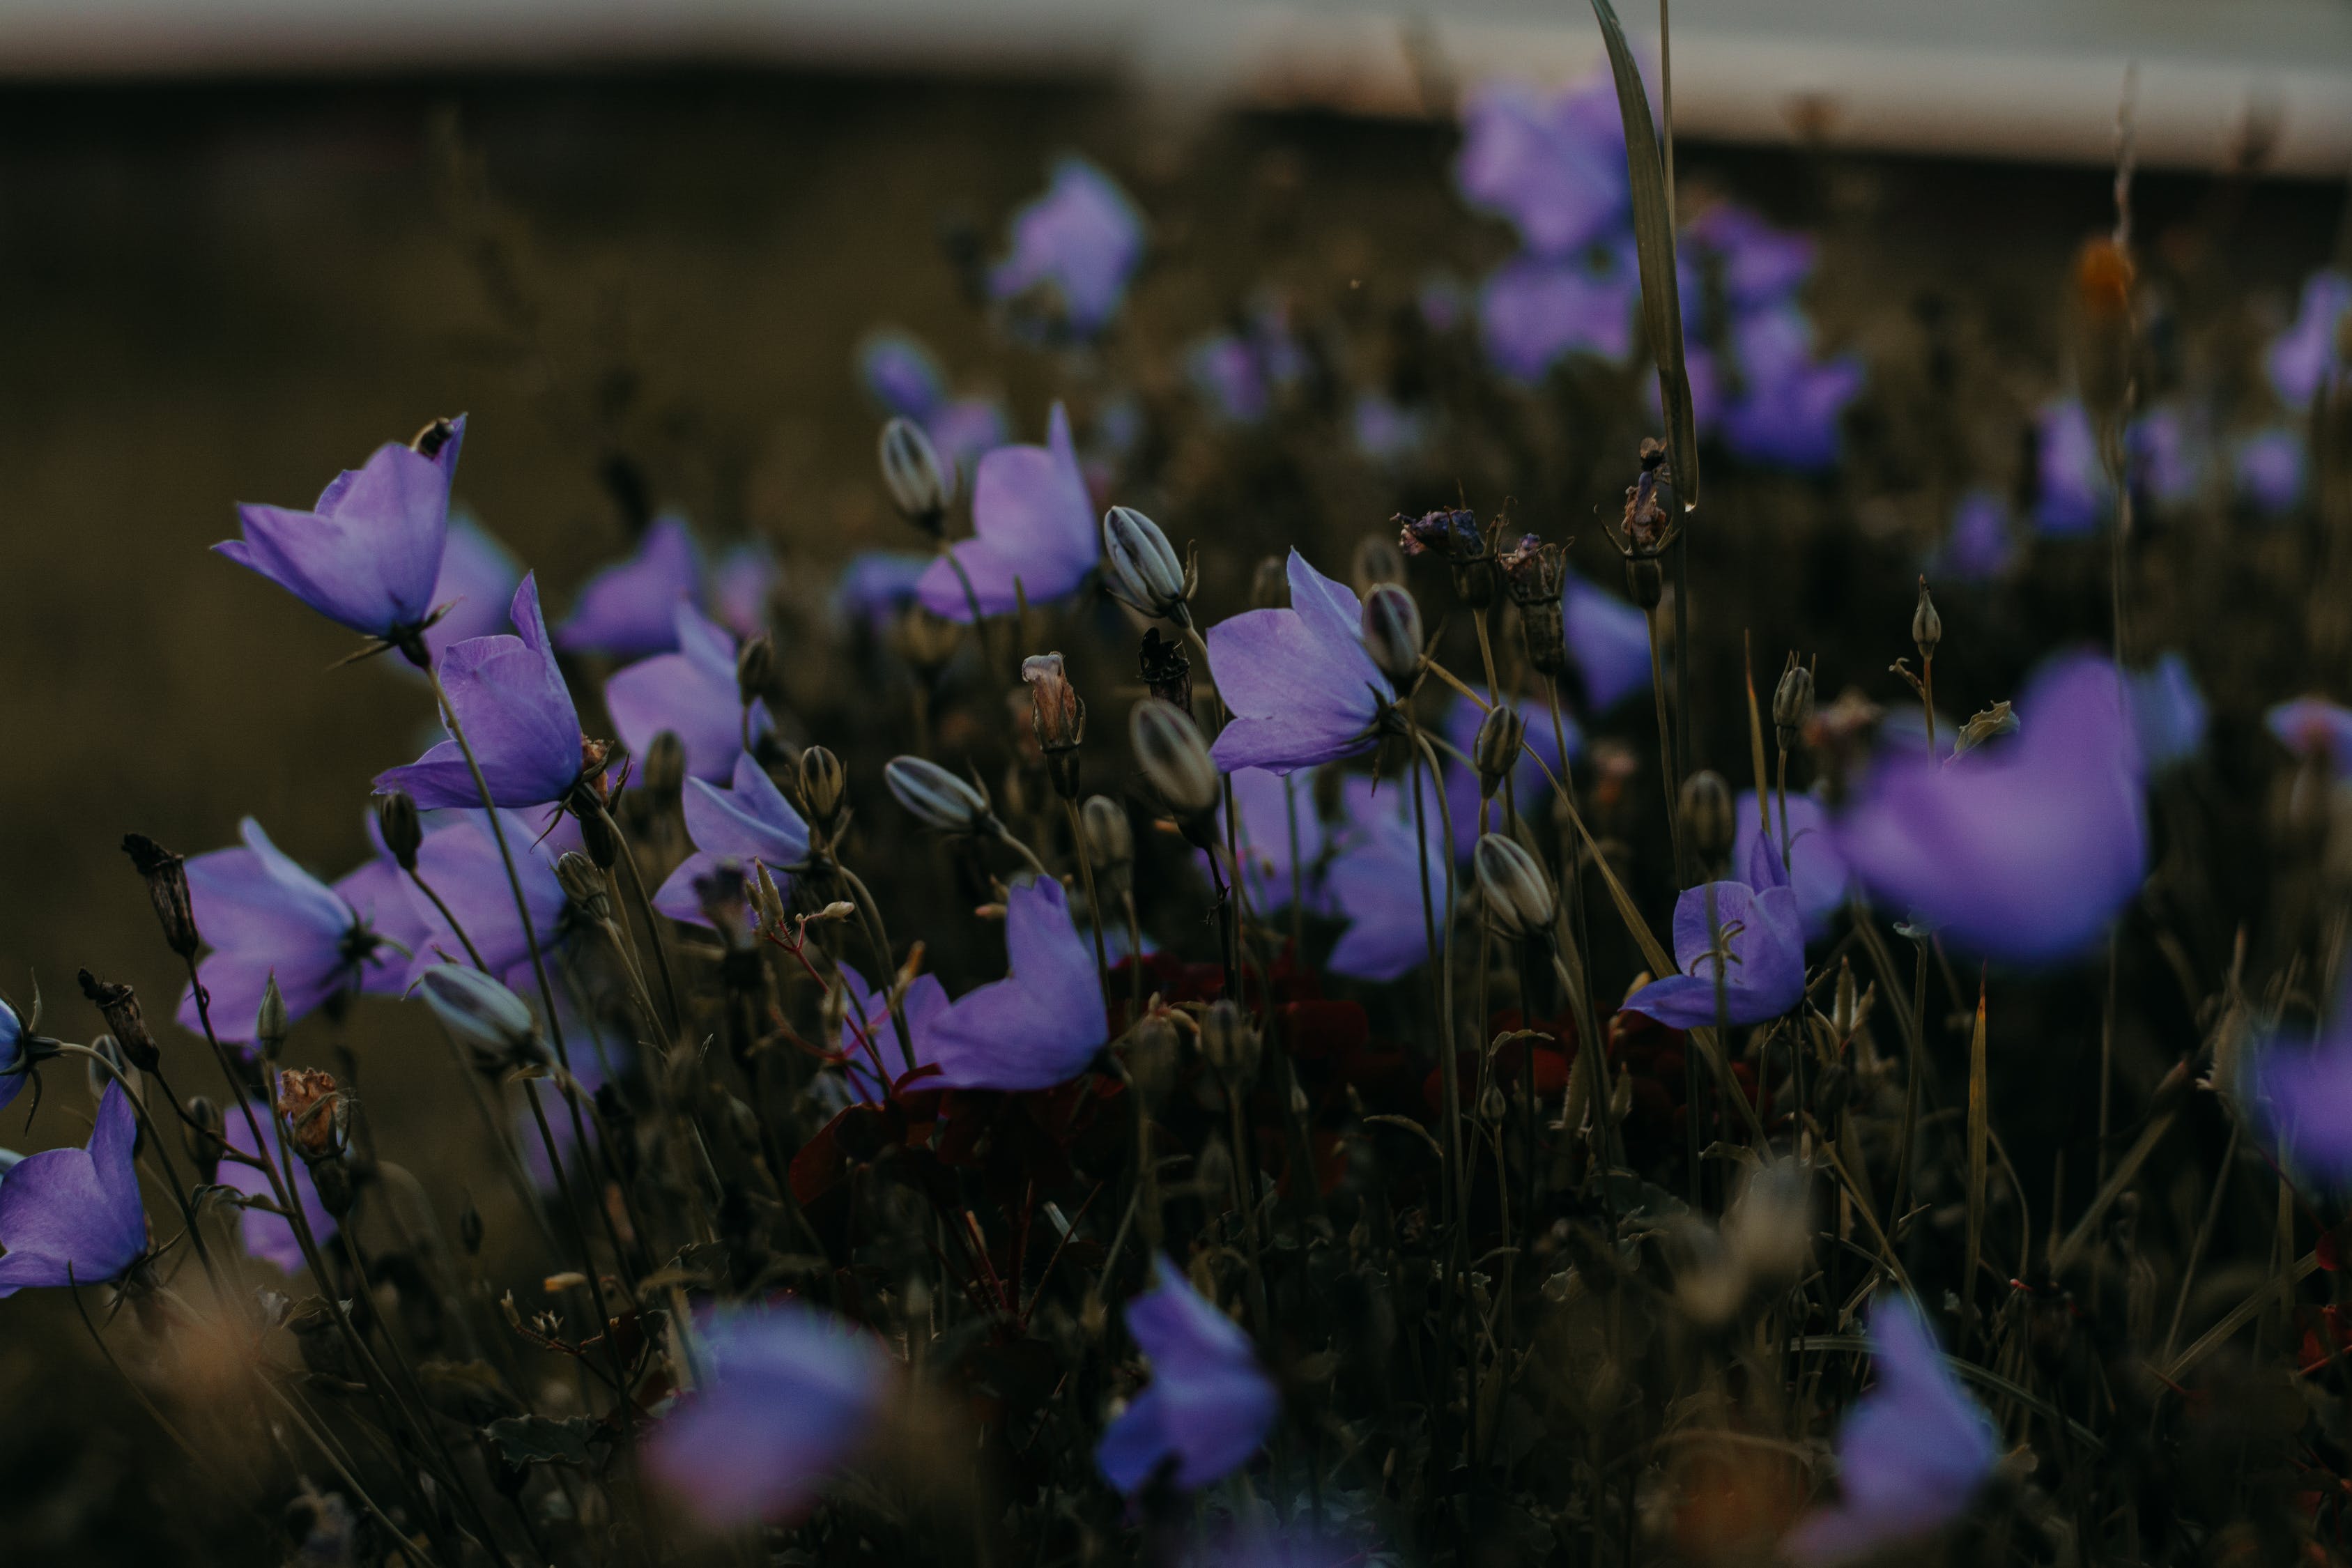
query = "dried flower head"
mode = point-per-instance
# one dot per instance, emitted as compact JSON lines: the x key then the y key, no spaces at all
{"x":1167,"y":669}
{"x":167,"y":876}
{"x":119,"y":1005}
{"x":1057,"y":715}
{"x":317,"y":1114}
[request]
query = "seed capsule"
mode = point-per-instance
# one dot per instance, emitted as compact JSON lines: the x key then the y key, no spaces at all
{"x":167,"y":876}
{"x":119,"y":1005}
{"x":1518,"y":895}
{"x":937,"y":797}
{"x":1497,"y":749}
{"x":1168,"y":748}
{"x":1140,"y":567}
{"x":1707,"y":814}
{"x":1391,"y":626}
{"x":1792,"y":702}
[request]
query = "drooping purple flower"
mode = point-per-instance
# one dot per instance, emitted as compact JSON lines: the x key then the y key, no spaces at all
{"x":1532,"y":313}
{"x":2164,"y":450}
{"x":1301,"y":688}
{"x":265,"y":915}
{"x":1555,"y":168}
{"x":1815,"y":872}
{"x":2070,"y":493}
{"x":1789,"y":407}
{"x":1526,"y":785}
{"x":692,"y":693}
{"x":1374,"y":881}
{"x":368,"y":553}
{"x":1756,"y":263}
{"x":476,"y":579}
{"x":1755,"y":942}
{"x":2167,"y":712}
{"x":2313,"y":727}
{"x":2272,"y":470}
{"x":1081,"y":240}
{"x":269,"y":1236}
{"x":1033,"y":520}
{"x":1040,"y":1026}
{"x":1911,"y":1453}
{"x":2300,"y":1089}
{"x":1273,"y":811}
{"x":750,"y":822}
{"x":867,"y":1032}
{"x":877,"y":584}
{"x":741,"y":585}
{"x":1608,"y":641}
{"x":460,"y":862}
{"x":518,"y":713}
{"x":1210,"y":1404}
{"x":1981,"y":545}
{"x":72,"y":1216}
{"x":630,"y":608}
{"x":2311,"y":349}
{"x":787,"y":1395}
{"x":2023,"y":849}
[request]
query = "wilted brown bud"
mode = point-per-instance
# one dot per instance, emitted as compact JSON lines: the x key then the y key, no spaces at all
{"x":1707,"y":814}
{"x":1926,"y":626}
{"x":1167,"y":670}
{"x":755,"y":667}
{"x":396,"y":819}
{"x":1059,"y":715}
{"x":662,"y":770}
{"x":584,"y":884}
{"x":119,"y":1005}
{"x":1229,"y":1043}
{"x":1270,"y":585}
{"x":824,"y":790}
{"x":200,"y":1134}
{"x":1534,"y":572}
{"x":1496,"y":749}
{"x":1792,"y":702}
{"x":317,"y":1114}
{"x":1173,"y":757}
{"x":1377,"y":560}
{"x":270,"y":1022}
{"x":1391,"y":628}
{"x":167,"y":888}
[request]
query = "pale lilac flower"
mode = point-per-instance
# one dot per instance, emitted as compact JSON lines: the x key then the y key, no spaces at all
{"x":2165,"y":454}
{"x":2311,"y":350}
{"x":630,"y":608}
{"x":1532,"y":313}
{"x":476,"y":579}
{"x":1815,"y":872}
{"x":1554,"y":167}
{"x":2300,"y":1089}
{"x":460,"y":862}
{"x":2023,"y":849}
{"x":2272,"y":470}
{"x":692,"y":693}
{"x":900,"y":374}
{"x":1756,"y":263}
{"x":1081,"y":240}
{"x":1374,"y":882}
{"x":1210,"y":1404}
{"x":2071,"y":495}
{"x":1033,"y":520}
{"x":2313,"y":727}
{"x":1608,"y":643}
{"x":1301,"y":688}
{"x":787,"y":1395}
{"x":2167,"y":712}
{"x":1752,"y":938}
{"x":1982,"y":545}
{"x":1384,"y":431}
{"x":866,"y":1031}
{"x":72,"y":1216}
{"x":877,"y":584}
{"x":368,"y":553}
{"x":741,"y":585}
{"x":269,"y":1236}
{"x":1911,"y":1453}
{"x":1224,"y":371}
{"x":750,"y":822}
{"x":1790,"y":405}
{"x":1045,"y":1022}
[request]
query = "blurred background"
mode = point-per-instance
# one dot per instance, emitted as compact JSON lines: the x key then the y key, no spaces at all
{"x":242,"y":244}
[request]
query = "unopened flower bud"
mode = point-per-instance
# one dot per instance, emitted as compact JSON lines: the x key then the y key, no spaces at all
{"x":1152,"y":1054}
{"x":1707,"y":814}
{"x":1392,"y":628}
{"x":1492,"y":1107}
{"x":662,"y":770}
{"x":1229,"y":1043}
{"x":479,"y":1010}
{"x":98,"y":1079}
{"x":317,"y":1114}
{"x":1140,"y":568}
{"x":1110,"y":838}
{"x":937,"y":797}
{"x":584,"y":884}
{"x":396,"y":819}
{"x":755,"y":667}
{"x":119,"y":1005}
{"x":1644,"y":583}
{"x":166,"y":875}
{"x":332,"y":1183}
{"x":1792,"y":702}
{"x":1168,"y":748}
{"x":269,"y":1024}
{"x":200,"y":1135}
{"x":1926,"y":626}
{"x":1058,"y":716}
{"x":1496,"y":749}
{"x":824,"y":788}
{"x":765,"y":899}
{"x":469,"y":1227}
{"x":1270,"y":585}
{"x":921,"y":487}
{"x":1167,"y":669}
{"x":1518,"y":896}
{"x":1377,"y":560}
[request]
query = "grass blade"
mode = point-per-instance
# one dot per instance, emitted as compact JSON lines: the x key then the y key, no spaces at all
{"x":1980,"y":1127}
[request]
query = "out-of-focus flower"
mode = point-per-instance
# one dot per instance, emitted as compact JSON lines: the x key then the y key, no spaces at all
{"x":1081,"y":240}
{"x":1816,"y":874}
{"x":741,"y":585}
{"x":460,"y":862}
{"x":1534,"y":312}
{"x":877,"y":584}
{"x":269,"y":1236}
{"x":369,"y":552}
{"x":1790,"y":405}
{"x":788,"y":1396}
{"x":866,"y":1022}
{"x":750,"y":822}
{"x":1443,"y":303}
{"x":1271,"y":813}
{"x":1756,"y":943}
{"x":2312,"y":349}
{"x":1223,"y":370}
{"x":2167,"y":712}
{"x":1209,"y":1406}
{"x":2022,"y":850}
{"x":2164,"y":452}
{"x":517,"y":714}
{"x":2070,"y":491}
{"x":692,"y":693}
{"x":2300,"y":1089}
{"x":902,"y":378}
{"x":1300,"y":685}
{"x":1384,"y":430}
{"x":476,"y":579}
{"x":1756,"y":263}
{"x":2271,"y":470}
{"x":1608,"y":643}
{"x":630,"y":608}
{"x":1031,"y":519}
{"x":263,"y":914}
{"x":478,"y":1008}
{"x":1374,"y":881}
{"x":1555,"y":168}
{"x":2313,"y":727}
{"x":1911,"y":1453}
{"x":1045,"y":1021}
{"x":1981,"y":545}
{"x":73,"y":1216}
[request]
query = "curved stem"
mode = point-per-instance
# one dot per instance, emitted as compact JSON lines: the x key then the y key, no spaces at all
{"x":472,"y":952}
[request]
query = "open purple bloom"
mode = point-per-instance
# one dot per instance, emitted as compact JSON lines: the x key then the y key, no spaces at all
{"x":1532,"y":313}
{"x":2163,"y":450}
{"x":1790,"y":405}
{"x":476,"y":579}
{"x":741,"y":585}
{"x":1209,"y":1406}
{"x":1981,"y":545}
{"x":2167,"y":712}
{"x":460,"y":862}
{"x":629,"y":609}
{"x":1374,"y":881}
{"x":1033,"y":520}
{"x":1608,"y":642}
{"x":1300,"y":686}
{"x":510,"y":697}
{"x":2070,"y":491}
{"x":1045,"y":1021}
{"x":1081,"y":240}
{"x":269,"y":1236}
{"x":1756,"y":263}
{"x":1816,"y":874}
{"x":1554,"y":167}
{"x":2313,"y":727}
{"x":691,"y":692}
{"x":867,"y":1032}
{"x":1275,"y":810}
{"x":877,"y":584}
{"x":368,"y":553}
{"x":2300,"y":1089}
{"x":72,"y":1216}
{"x":265,"y":915}
{"x":967,"y":429}
{"x":1756,"y":943}
{"x":2272,"y":470}
{"x":752,"y":821}
{"x":1528,"y":784}
{"x":900,"y":374}
{"x":2023,"y":849}
{"x":2304,"y":355}
{"x":1911,"y":1453}
{"x":788,"y":1395}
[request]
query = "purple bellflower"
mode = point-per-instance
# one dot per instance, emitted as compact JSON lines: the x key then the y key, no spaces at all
{"x":2163,"y":450}
{"x":877,"y":584}
{"x":72,"y":1216}
{"x":460,"y":862}
{"x":1816,"y":874}
{"x":1608,"y":642}
{"x":16,"y":1054}
{"x":752,"y":821}
{"x":691,"y":692}
{"x":477,"y":578}
{"x":1789,"y":408}
{"x":265,"y":915}
{"x":2023,"y":849}
{"x":1209,"y":1406}
{"x":1301,"y":687}
{"x":788,"y":1396}
{"x":1756,"y":946}
{"x":629,"y":609}
{"x":1982,"y":545}
{"x":1040,"y":1026}
{"x":1081,"y":240}
{"x":741,"y":585}
{"x":2272,"y":470}
{"x":1223,"y":370}
{"x":2313,"y":727}
{"x":269,"y":1236}
{"x":1033,"y":518}
{"x":2303,"y":357}
{"x":378,"y":893}
{"x":368,"y":555}
{"x":867,"y":1032}
{"x":1384,"y":431}
{"x":1756,"y":263}
{"x":1555,"y":168}
{"x":2167,"y":712}
{"x":1911,"y":1453}
{"x":1374,"y":881}
{"x":1270,"y":808}
{"x":2070,"y":490}
{"x":2301,"y":1092}
{"x":1533,"y":313}
{"x":902,"y":378}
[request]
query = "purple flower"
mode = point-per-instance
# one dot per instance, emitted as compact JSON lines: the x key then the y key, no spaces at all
{"x":72,"y":1215}
{"x":265,"y":915}
{"x":1608,"y":641}
{"x":460,"y":862}
{"x":1981,"y":545}
{"x":2167,"y":712}
{"x":2301,"y":1092}
{"x":2304,"y":355}
{"x":1384,"y":431}
{"x":1043,"y":1022}
{"x":510,"y":697}
{"x":1788,"y":407}
{"x":1374,"y":881}
{"x":1224,"y":370}
{"x":1757,"y":264}
{"x":741,"y":585}
{"x":1210,"y":1404}
{"x":1911,"y":1452}
{"x":2070,"y":493}
{"x":630,"y":607}
{"x":2023,"y":849}
{"x":1760,"y":933}
{"x":368,"y":553}
{"x":1554,"y":168}
{"x":1815,"y":873}
{"x":2313,"y":727}
{"x":867,"y":1032}
{"x":1033,"y":520}
{"x":787,"y":1395}
{"x":877,"y":584}
{"x":478,"y":577}
{"x":1532,"y":313}
{"x":588,"y":1070}
{"x":901,"y":376}
{"x":691,"y":692}
{"x":1270,"y":806}
{"x":2162,"y":448}
{"x":1528,"y":784}
{"x":269,"y":1236}
{"x":1082,"y":239}
{"x":2272,"y":470}
{"x":752,"y":821}
{"x":1300,"y":686}
{"x":378,"y":892}
{"x":15,"y":1056}
{"x":968,"y":429}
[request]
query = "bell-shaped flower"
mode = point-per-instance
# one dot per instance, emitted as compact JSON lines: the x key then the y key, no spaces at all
{"x":786,"y":1396}
{"x":1608,"y":642}
{"x":741,"y":586}
{"x":461,"y":864}
{"x":1300,"y":686}
{"x":1742,"y":952}
{"x":1533,"y":313}
{"x":1553,"y":166}
{"x":691,"y":692}
{"x":1032,"y":521}
{"x":2023,"y":849}
{"x":72,"y":1216}
{"x":2070,"y":493}
{"x":368,"y":553}
{"x":1529,"y":787}
{"x":2271,"y":470}
{"x":1081,"y":241}
{"x":2304,"y":355}
{"x":2167,"y":712}
{"x":517,"y":714}
{"x":1276,"y":816}
{"x":2164,"y":449}
{"x":2299,"y":1088}
{"x":1911,"y":1453}
{"x":1980,"y":545}
{"x":868,"y":1033}
{"x":750,"y":822}
{"x":630,"y":608}
{"x":1816,"y":874}
{"x":1210,"y":1404}
{"x":476,"y":583}
{"x":1045,"y":1022}
{"x":1755,"y":264}
{"x":2313,"y":728}
{"x":1375,"y":880}
{"x":1790,"y":405}
{"x":271,"y":1236}
{"x":16,"y":1054}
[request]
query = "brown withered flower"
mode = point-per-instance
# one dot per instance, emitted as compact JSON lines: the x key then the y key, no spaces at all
{"x":167,"y":876}
{"x":317,"y":1114}
{"x":119,"y":1005}
{"x":1059,"y":715}
{"x":1167,"y":669}
{"x":1535,"y":573}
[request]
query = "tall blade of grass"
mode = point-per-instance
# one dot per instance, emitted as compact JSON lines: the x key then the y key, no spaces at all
{"x":2076,"y":1240}
{"x":1980,"y":1127}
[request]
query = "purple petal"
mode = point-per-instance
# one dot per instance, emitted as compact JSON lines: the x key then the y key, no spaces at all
{"x":478,"y":577}
{"x":1082,"y":238}
{"x":2304,"y":356}
{"x":1376,"y":880}
{"x":1814,"y":870}
{"x":1533,"y":313}
{"x":901,"y":376}
{"x":266,"y":1235}
{"x":1040,"y":1026}
{"x":741,"y":585}
{"x":1766,"y":976}
{"x":518,"y":713}
{"x":73,"y":1216}
{"x":2313,"y":727}
{"x":1555,"y":169}
{"x":1210,"y":1406}
{"x":692,"y":693}
{"x":630,"y":608}
{"x":1298,"y":682}
{"x":2071,"y":494}
{"x":1609,"y":641}
{"x":2271,"y":471}
{"x":1981,"y":545}
{"x":1032,"y":518}
{"x":460,"y":862}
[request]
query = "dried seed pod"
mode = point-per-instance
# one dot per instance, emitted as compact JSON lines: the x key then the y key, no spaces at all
{"x":1057,"y":715}
{"x":119,"y":1005}
{"x":167,"y":876}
